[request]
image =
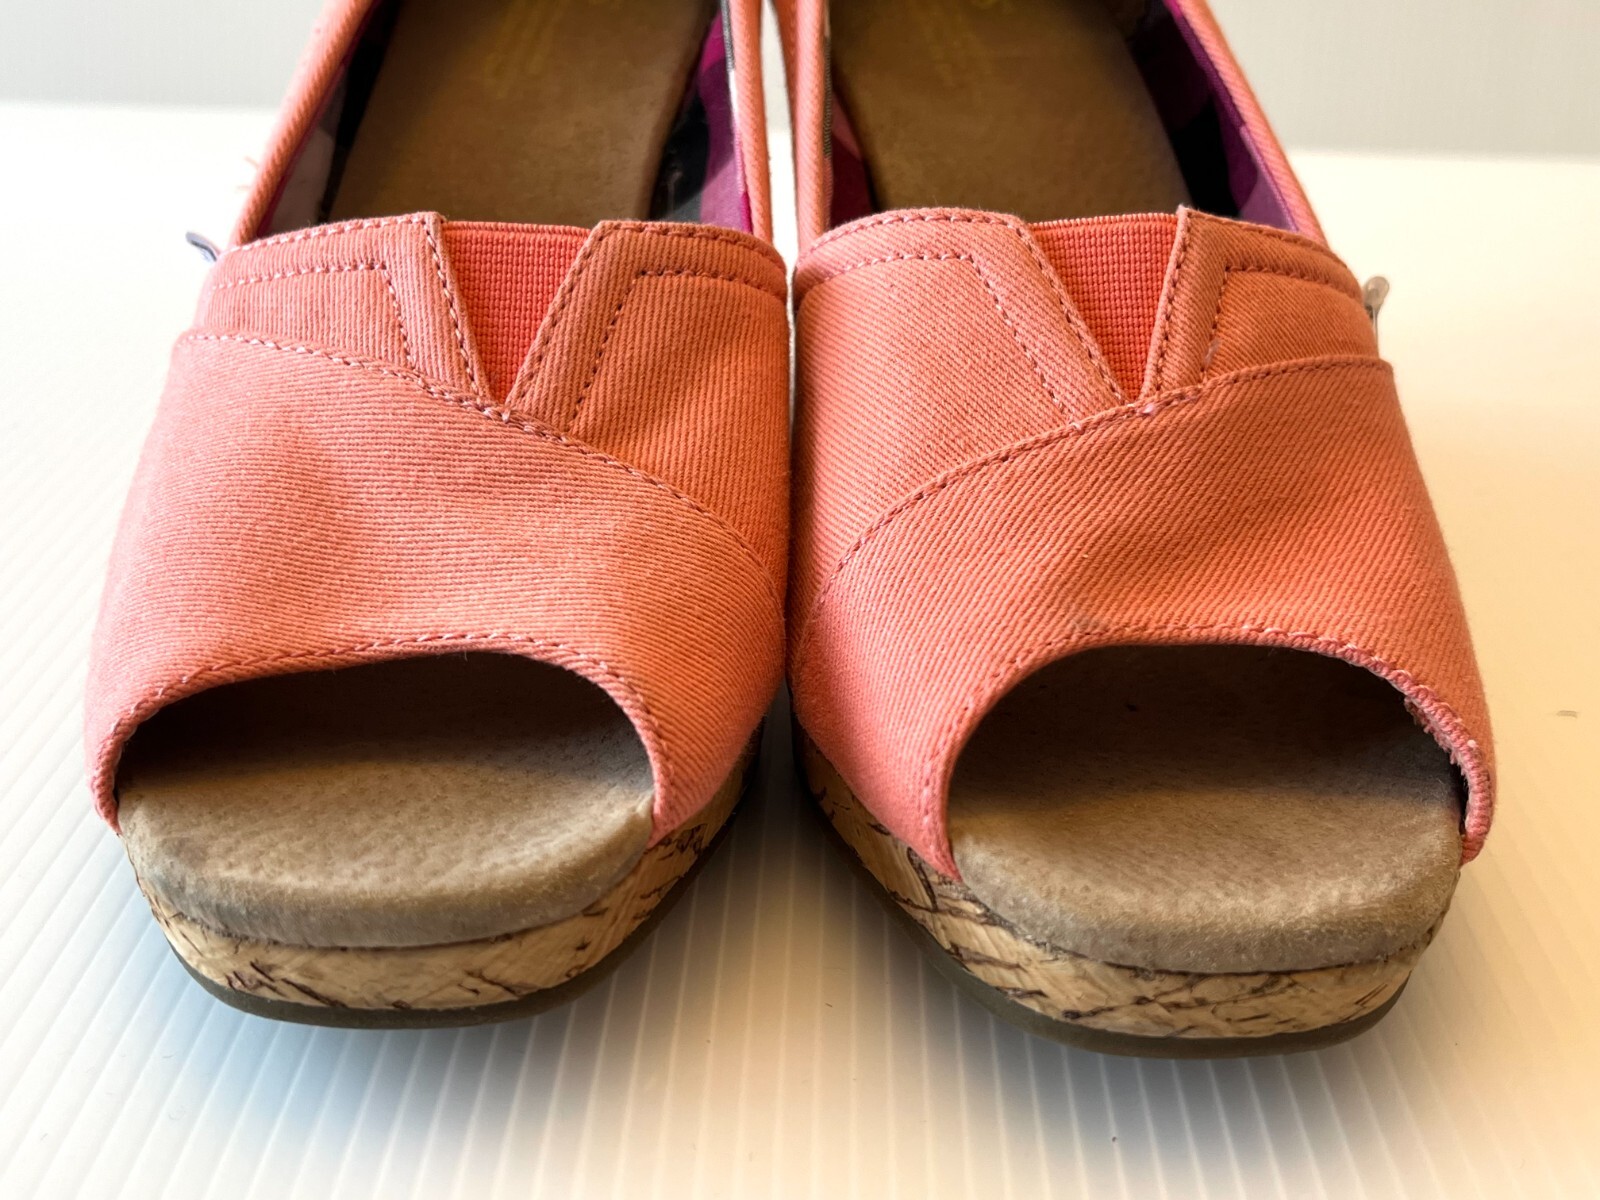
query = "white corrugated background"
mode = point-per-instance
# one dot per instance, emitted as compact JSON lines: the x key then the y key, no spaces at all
{"x":777,"y":1037}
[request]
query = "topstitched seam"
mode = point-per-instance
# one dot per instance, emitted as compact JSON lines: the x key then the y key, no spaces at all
{"x":475,"y":404}
{"x":1255,"y":268}
{"x":450,"y":301}
{"x":908,"y":218}
{"x":994,"y":295}
{"x":579,"y":273}
{"x":339,"y":268}
{"x":1043,"y":269}
{"x":1169,"y":299}
{"x":1214,"y":339}
{"x":322,"y":231}
{"x":318,"y":269}
{"x":702,"y":233}
{"x":1289,"y":237}
{"x":558,"y":308}
{"x":1193,"y":219}
{"x":1194,"y":216}
{"x":1069,"y":310}
{"x":1104,"y":418}
{"x":616,"y":318}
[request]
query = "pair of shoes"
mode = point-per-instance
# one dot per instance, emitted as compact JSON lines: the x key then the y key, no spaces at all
{"x":457,"y":574}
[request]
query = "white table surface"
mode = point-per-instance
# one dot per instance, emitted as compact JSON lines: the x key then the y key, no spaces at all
{"x":777,"y":1037}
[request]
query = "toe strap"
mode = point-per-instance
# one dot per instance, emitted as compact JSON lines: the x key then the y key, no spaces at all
{"x":299,"y":510}
{"x":1275,"y":506}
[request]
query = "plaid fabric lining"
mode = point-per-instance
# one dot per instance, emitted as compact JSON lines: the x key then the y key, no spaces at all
{"x":700,"y":177}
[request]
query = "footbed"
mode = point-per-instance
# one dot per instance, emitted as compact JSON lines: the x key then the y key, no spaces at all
{"x":1208,"y":808}
{"x":1032,"y":107}
{"x":397,"y":804}
{"x":538,"y":111}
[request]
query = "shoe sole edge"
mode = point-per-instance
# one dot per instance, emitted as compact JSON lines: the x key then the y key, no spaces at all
{"x":1105,"y":1007}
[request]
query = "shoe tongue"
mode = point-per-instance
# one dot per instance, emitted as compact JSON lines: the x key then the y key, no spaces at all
{"x":1114,"y":269}
{"x":506,"y":278}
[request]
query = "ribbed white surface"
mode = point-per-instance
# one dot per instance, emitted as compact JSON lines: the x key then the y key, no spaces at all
{"x":777,"y":1037}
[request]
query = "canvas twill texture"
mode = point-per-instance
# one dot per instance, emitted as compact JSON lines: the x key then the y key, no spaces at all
{"x":335,"y":477}
{"x":985,"y":481}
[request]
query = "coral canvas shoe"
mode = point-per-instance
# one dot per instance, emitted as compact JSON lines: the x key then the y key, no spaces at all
{"x":448,"y":597}
{"x":1124,"y":647}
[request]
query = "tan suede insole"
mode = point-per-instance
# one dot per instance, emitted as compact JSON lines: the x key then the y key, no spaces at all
{"x":540,"y":111}
{"x":1208,"y":808}
{"x":405,"y":803}
{"x":1032,"y":107}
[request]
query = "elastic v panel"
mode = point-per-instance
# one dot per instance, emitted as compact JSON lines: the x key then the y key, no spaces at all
{"x":1113,"y":268}
{"x":506,"y":277}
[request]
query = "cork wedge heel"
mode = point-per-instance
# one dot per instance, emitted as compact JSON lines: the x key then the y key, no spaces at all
{"x":1081,"y":1000}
